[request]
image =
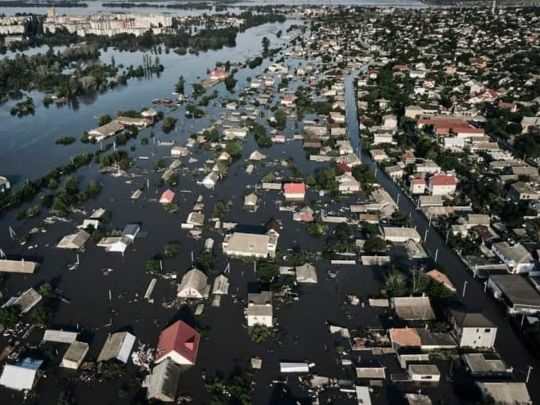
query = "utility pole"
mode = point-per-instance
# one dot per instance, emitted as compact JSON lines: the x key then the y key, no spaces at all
{"x":436,"y":254}
{"x":528,"y":374}
{"x":465,"y":287}
{"x":425,"y":235}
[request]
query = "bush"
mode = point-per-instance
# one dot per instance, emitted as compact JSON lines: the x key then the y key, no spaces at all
{"x":171,"y":250}
{"x":153,"y":265}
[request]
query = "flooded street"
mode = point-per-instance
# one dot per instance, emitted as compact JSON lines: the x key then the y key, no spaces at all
{"x":104,"y":302}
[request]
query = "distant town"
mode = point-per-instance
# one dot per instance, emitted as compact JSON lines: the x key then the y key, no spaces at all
{"x":270,"y":204}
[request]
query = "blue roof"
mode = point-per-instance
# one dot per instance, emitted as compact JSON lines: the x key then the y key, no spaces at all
{"x":32,"y":364}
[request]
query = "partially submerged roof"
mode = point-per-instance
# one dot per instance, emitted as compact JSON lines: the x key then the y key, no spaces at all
{"x":485,"y":364}
{"x":117,"y":346}
{"x":517,"y":290}
{"x":514,"y":393}
{"x":59,"y":336}
{"x":221,"y":285}
{"x":20,"y":376}
{"x":75,"y":352}
{"x":471,"y":319}
{"x":180,"y":338}
{"x":162,"y":383}
{"x":18,"y":266}
{"x":307,"y":273}
{"x":74,"y":241}
{"x":413,"y":308}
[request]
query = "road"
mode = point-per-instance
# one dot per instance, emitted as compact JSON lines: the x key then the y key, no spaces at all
{"x":508,"y":343}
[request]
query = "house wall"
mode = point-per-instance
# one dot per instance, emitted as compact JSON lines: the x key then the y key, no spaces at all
{"x":443,"y":190}
{"x":259,"y":320}
{"x":478,"y":337}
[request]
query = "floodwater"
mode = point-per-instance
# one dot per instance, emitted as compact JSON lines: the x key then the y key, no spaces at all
{"x":101,"y":304}
{"x":24,"y":137}
{"x":94,"y":7}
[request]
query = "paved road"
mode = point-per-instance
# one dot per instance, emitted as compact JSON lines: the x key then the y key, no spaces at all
{"x":508,"y":343}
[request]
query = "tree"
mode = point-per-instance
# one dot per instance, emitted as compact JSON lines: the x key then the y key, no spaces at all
{"x":168,"y":124}
{"x":104,"y":119}
{"x":230,"y":83}
{"x":171,"y":250}
{"x":41,"y":317}
{"x":206,"y":260}
{"x":9,"y":317}
{"x":363,"y":174}
{"x":265,"y":45}
{"x":153,"y":265}
{"x":233,"y":148}
{"x":316,"y":228}
{"x":46,"y":290}
{"x":343,"y":231}
{"x":396,"y":283}
{"x":374,"y":244}
{"x":281,"y":119}
{"x":266,"y":271}
{"x":180,"y":84}
{"x":220,"y":209}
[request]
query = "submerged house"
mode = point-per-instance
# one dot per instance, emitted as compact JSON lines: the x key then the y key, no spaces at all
{"x":162,"y":383}
{"x":117,"y":346}
{"x":74,"y":241}
{"x":242,"y":244}
{"x":259,"y":310}
{"x":20,"y":376}
{"x":74,"y":355}
{"x":178,"y":342}
{"x":167,"y":197}
{"x":4,"y":185}
{"x":307,"y":273}
{"x":106,"y":131}
{"x":25,"y":302}
{"x":194,"y":285}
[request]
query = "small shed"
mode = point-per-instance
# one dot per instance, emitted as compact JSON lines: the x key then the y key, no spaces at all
{"x":74,"y":355}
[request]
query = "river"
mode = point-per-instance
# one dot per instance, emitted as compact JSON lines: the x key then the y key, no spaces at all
{"x":25,"y":138}
{"x":94,"y":7}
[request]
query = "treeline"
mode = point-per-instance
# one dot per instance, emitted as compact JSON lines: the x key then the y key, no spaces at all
{"x":57,"y":4}
{"x":32,"y":188}
{"x":45,"y":72}
{"x":202,"y":41}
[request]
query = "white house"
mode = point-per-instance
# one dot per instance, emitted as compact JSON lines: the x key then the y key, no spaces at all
{"x":473,"y":330}
{"x":442,"y":184}
{"x":294,"y":191}
{"x":348,"y":184}
{"x":74,"y":355}
{"x":516,"y":257}
{"x":418,"y":185}
{"x":398,"y":234}
{"x":194,"y":285}
{"x":210,"y":180}
{"x":424,"y":373}
{"x":259,"y":310}
{"x":240,"y":244}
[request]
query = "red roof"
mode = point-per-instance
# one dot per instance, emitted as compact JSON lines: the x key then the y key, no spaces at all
{"x":419,"y":180}
{"x":344,"y":166}
{"x":179,"y":338}
{"x":218,"y":73}
{"x":443,"y":180}
{"x":167,"y":197}
{"x":294,"y":188}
